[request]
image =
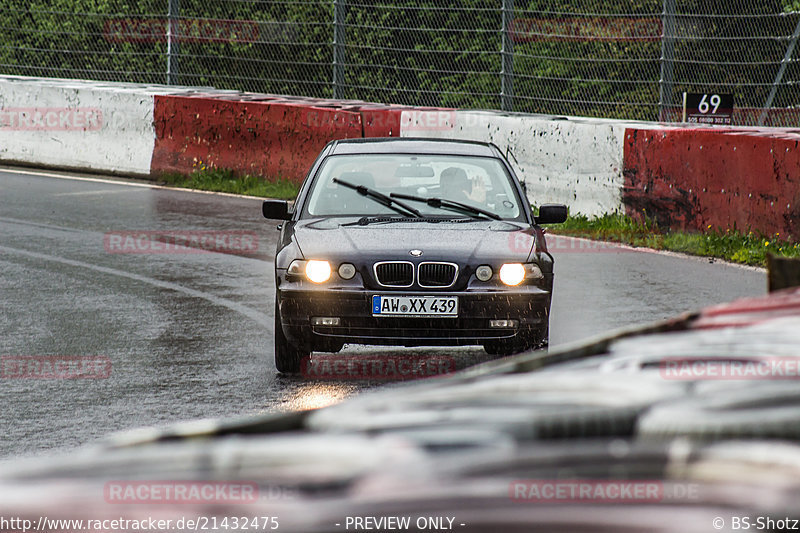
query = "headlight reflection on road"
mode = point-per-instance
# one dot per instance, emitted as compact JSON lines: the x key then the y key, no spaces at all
{"x":315,"y":395}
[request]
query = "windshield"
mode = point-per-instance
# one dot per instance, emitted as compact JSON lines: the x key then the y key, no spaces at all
{"x":481,"y":182}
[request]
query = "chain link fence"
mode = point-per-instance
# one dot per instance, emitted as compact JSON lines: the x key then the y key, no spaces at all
{"x":629,"y":59}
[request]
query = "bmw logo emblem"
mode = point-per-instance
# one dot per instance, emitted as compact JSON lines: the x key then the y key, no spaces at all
{"x":416,"y":253}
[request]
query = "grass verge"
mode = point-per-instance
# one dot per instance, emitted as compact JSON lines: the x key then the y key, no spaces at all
{"x":732,"y":245}
{"x":225,"y":180}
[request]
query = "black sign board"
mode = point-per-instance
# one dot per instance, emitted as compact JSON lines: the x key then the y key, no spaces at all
{"x":707,"y":108}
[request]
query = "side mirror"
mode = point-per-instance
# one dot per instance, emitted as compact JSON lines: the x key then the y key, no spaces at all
{"x":552,"y":214}
{"x":276,"y":209}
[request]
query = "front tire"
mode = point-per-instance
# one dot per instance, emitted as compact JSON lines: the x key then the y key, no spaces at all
{"x":288,"y":358}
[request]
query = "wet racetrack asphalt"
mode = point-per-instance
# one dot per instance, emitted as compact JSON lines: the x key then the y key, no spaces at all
{"x":190,"y":335}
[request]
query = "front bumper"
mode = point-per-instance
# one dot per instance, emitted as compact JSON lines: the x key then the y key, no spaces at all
{"x":529,"y":305}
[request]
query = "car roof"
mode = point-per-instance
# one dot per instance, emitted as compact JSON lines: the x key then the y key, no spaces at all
{"x":413,"y":145}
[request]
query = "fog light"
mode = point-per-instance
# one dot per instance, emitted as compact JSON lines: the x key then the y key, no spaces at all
{"x":512,"y":273}
{"x":506,"y":323}
{"x":347,"y":271}
{"x":483,"y":272}
{"x":325,"y":321}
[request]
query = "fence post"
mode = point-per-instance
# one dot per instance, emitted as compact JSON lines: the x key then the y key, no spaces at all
{"x":786,"y":59}
{"x":667,"y":59}
{"x":339,"y":13}
{"x":173,"y":40}
{"x":507,"y":56}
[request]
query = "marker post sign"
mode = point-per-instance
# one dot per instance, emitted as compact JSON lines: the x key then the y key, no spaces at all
{"x":707,"y":108}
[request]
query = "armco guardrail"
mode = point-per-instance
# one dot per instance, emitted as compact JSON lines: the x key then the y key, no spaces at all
{"x":687,"y":178}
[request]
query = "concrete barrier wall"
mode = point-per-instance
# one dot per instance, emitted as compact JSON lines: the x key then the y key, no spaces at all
{"x":143,"y":130}
{"x":381,"y":121}
{"x":74,"y":124}
{"x":685,"y":178}
{"x":690,"y":179}
{"x":266,"y":138}
{"x":570,"y":161}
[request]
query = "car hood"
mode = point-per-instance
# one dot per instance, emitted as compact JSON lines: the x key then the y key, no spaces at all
{"x":454,"y":241}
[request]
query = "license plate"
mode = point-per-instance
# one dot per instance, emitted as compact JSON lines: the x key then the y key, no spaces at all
{"x":430,"y":306}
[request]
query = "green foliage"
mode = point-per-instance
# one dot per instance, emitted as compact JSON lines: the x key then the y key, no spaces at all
{"x":587,"y":58}
{"x":225,"y":180}
{"x":76,"y":39}
{"x":732,"y":245}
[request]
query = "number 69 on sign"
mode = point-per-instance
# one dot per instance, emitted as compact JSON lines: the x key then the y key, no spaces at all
{"x":709,"y":108}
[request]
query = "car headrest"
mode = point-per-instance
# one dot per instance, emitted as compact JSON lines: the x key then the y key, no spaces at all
{"x":453,"y":179}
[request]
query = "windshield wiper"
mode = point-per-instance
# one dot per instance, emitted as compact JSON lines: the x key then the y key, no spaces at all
{"x":366,"y":220}
{"x":380,"y":198}
{"x":443,"y":203}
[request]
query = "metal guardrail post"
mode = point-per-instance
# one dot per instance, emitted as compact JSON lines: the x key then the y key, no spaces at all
{"x":667,"y":59}
{"x":786,"y":59}
{"x":339,"y":13}
{"x":173,"y":40}
{"x":507,"y":56}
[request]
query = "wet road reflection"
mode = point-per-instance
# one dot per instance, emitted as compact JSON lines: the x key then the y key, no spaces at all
{"x":302,"y":394}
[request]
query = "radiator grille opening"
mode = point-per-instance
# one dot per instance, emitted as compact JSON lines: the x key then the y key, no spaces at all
{"x":437,"y":274}
{"x":395,"y":273}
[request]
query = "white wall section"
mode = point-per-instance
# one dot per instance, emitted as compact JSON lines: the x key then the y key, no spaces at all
{"x":572,"y":161}
{"x":74,"y":124}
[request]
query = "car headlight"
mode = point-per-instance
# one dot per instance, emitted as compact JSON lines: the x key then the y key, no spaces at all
{"x":515,"y":273}
{"x":512,"y":273}
{"x":318,"y":271}
{"x":315,"y":270}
